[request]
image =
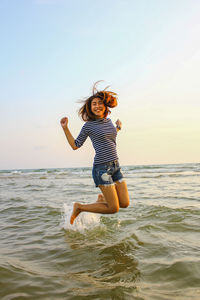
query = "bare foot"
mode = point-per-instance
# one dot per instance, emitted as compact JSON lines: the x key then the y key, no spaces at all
{"x":75,"y":213}
{"x":100,"y":198}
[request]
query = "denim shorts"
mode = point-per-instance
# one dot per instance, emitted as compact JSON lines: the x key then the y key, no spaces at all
{"x":107,"y":173}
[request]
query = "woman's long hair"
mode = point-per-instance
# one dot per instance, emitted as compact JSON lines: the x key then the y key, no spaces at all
{"x":109,"y":99}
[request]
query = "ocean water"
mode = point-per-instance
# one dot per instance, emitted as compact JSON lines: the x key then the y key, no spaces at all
{"x":150,"y":250}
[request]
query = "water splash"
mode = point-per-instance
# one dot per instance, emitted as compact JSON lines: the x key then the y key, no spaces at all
{"x":83,"y":222}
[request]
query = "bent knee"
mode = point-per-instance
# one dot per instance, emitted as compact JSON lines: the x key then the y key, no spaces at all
{"x":114,"y":209}
{"x":124,"y":205}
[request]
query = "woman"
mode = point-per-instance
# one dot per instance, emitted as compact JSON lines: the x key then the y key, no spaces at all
{"x":106,"y":171}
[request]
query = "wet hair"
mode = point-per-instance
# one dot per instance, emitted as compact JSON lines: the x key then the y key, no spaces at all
{"x":109,"y":99}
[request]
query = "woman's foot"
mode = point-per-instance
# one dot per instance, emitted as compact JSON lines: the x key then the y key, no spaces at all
{"x":100,"y":198}
{"x":75,"y":213}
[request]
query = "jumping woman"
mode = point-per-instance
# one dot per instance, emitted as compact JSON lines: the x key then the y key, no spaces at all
{"x":106,"y":171}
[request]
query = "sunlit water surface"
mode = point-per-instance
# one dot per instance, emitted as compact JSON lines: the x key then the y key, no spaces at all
{"x":150,"y":250}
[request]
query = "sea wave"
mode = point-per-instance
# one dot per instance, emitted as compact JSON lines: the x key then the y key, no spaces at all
{"x":149,"y":250}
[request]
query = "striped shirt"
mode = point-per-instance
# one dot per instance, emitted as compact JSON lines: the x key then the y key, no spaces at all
{"x":103,"y":134}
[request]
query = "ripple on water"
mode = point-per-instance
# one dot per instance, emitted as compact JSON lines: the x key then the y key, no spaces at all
{"x":148,"y":251}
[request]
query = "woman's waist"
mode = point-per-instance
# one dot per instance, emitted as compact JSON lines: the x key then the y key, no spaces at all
{"x":109,"y":163}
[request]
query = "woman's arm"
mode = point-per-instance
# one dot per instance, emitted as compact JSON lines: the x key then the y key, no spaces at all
{"x":70,"y":139}
{"x":119,"y":125}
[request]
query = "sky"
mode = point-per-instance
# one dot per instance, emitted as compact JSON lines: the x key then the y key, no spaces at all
{"x":53,"y":51}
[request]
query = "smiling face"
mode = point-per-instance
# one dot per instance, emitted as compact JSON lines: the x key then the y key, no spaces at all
{"x":98,"y":108}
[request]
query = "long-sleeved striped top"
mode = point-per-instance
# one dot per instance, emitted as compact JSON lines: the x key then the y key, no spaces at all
{"x":103,"y":134}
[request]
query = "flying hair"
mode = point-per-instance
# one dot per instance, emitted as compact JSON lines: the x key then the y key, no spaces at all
{"x":109,"y":99}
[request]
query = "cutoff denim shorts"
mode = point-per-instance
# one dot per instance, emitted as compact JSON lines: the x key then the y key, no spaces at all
{"x":107,"y":173}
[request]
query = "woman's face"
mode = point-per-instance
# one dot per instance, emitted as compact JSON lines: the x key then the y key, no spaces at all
{"x":98,"y":108}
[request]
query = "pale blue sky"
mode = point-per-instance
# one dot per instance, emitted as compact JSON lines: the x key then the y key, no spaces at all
{"x":52,"y":51}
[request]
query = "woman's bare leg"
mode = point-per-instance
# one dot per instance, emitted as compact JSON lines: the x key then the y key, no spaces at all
{"x":113,"y":197}
{"x":122,"y":192}
{"x":101,"y":198}
{"x":110,"y":206}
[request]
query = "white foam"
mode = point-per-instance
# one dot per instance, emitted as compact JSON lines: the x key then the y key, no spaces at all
{"x":85,"y":220}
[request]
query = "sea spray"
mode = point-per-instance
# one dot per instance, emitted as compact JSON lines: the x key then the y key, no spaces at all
{"x":83,"y":222}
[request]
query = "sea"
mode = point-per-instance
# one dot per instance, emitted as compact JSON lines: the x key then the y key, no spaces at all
{"x":148,"y":251}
